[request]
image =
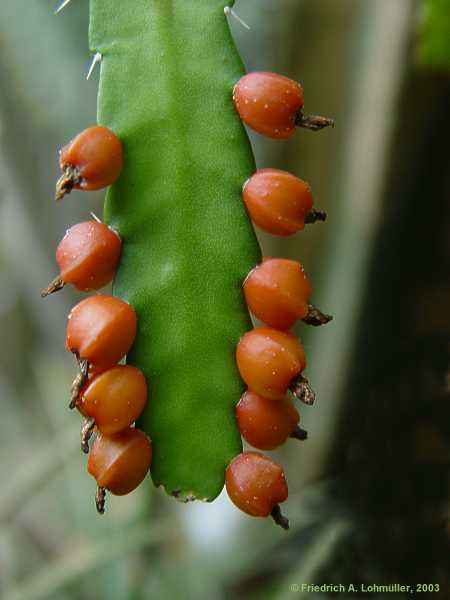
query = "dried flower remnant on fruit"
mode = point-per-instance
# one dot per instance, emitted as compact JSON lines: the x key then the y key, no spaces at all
{"x":277,"y":292}
{"x":271,"y":104}
{"x":266,"y":424}
{"x":87,"y":257}
{"x":268,"y":360}
{"x":91,"y":161}
{"x":268,"y":103}
{"x":301,"y":389}
{"x":114,"y":399}
{"x":119,"y":462}
{"x":257,"y":485}
{"x":279,"y":202}
{"x":100,"y":330}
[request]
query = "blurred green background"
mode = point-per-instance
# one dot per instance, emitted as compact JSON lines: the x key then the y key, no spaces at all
{"x":369,"y":491}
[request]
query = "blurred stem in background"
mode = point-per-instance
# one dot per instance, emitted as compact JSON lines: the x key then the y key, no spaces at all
{"x":369,"y":490}
{"x":388,"y":459}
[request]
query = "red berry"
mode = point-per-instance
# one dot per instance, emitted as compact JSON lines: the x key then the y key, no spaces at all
{"x":268,"y":360}
{"x":101,"y":330}
{"x":114,"y":399}
{"x":256,"y":485}
{"x":277,"y":292}
{"x":277,"y":201}
{"x":87,"y":257}
{"x":120,"y":462}
{"x":92,"y":160}
{"x":266,"y":424}
{"x":268,"y":103}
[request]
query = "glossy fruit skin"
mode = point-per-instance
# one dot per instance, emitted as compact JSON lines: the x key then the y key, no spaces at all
{"x":255,"y":483}
{"x":277,"y":292}
{"x":268,"y":360}
{"x":97,"y":154}
{"x":120,"y":462}
{"x":268,"y":103}
{"x":277,"y":201}
{"x":101,"y":330}
{"x":114,"y":399}
{"x":266,"y":424}
{"x":88,"y":255}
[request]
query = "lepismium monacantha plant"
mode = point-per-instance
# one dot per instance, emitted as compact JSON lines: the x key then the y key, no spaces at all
{"x":178,"y":242}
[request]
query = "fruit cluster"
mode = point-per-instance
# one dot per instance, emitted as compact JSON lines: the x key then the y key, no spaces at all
{"x":270,"y":359}
{"x":101,"y":329}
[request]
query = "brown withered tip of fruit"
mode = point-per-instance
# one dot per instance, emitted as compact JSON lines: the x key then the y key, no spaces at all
{"x":299,"y":434}
{"x":302,"y":390}
{"x":279,"y":518}
{"x":100,"y":500}
{"x":69,"y":179}
{"x":87,"y":429}
{"x":54,"y":286}
{"x":79,"y":381}
{"x":316,"y":317}
{"x":312,"y":122}
{"x":314,"y":215}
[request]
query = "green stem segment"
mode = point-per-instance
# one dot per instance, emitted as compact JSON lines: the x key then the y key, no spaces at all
{"x":167,"y":73}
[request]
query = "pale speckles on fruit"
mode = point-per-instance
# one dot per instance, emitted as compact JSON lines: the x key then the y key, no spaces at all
{"x":277,"y":201}
{"x":272,"y":111}
{"x":264,"y":350}
{"x":88,"y":255}
{"x":255,"y":483}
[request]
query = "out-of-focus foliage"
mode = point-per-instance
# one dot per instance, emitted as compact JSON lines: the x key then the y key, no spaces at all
{"x":435,"y":33}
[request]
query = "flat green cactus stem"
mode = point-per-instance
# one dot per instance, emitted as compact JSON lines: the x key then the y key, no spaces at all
{"x":167,"y":73}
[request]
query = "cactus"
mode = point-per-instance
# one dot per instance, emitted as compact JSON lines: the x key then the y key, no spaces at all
{"x":167,"y":72}
{"x":170,"y":144}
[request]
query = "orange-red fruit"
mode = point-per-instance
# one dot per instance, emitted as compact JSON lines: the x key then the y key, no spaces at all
{"x":268,"y":360}
{"x":266,"y":424}
{"x":277,"y":201}
{"x":115,"y":398}
{"x":120,"y":462}
{"x":88,"y":255}
{"x":97,"y":154}
{"x":255,"y":483}
{"x":277,"y":292}
{"x":101,"y":329}
{"x":268,"y":103}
